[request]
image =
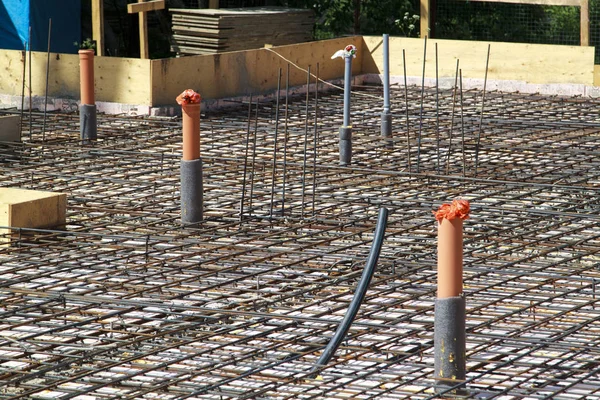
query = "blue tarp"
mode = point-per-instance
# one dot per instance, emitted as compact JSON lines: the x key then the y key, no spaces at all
{"x":16,"y":16}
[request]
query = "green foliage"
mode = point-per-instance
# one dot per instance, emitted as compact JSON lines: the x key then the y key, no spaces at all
{"x":336,"y":17}
{"x":408,"y":24}
{"x":507,"y":22}
{"x":88,"y":44}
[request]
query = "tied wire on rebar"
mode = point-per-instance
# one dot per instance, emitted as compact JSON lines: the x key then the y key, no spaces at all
{"x":122,"y":302}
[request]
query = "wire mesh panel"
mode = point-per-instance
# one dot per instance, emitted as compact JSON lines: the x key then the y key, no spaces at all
{"x":507,"y":22}
{"x":124,"y":303}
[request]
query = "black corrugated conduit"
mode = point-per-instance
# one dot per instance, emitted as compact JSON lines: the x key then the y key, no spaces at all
{"x":359,"y":295}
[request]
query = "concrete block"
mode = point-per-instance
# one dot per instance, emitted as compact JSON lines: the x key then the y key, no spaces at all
{"x":10,"y":128}
{"x":21,"y":208}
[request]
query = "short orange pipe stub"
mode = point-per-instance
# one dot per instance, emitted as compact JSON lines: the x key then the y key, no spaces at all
{"x":450,"y":247}
{"x":86,"y":76}
{"x":450,"y":258}
{"x":191,"y":131}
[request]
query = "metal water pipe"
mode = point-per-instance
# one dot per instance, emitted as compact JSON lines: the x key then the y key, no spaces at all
{"x":386,"y":116}
{"x":348,"y":53}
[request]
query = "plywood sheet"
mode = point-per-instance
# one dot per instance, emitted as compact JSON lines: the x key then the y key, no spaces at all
{"x":244,"y":72}
{"x":530,"y":63}
{"x":239,"y":29}
{"x":22,"y":208}
{"x":122,"y":80}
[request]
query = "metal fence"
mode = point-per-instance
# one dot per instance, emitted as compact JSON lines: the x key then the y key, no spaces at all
{"x":504,"y":22}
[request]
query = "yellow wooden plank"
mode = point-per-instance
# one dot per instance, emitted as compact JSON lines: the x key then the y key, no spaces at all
{"x":98,"y":25}
{"x":143,"y":36}
{"x":573,"y":3}
{"x":529,"y":63}
{"x":584,"y":23}
{"x":142,"y":6}
{"x":424,"y":18}
{"x":22,"y":208}
{"x":124,"y":81}
{"x":596,"y":75}
{"x":244,"y":72}
{"x":120,"y":80}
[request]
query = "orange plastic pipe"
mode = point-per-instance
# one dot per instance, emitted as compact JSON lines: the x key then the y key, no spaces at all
{"x":450,"y":258}
{"x":86,"y":76}
{"x":450,"y":247}
{"x":191,"y":131}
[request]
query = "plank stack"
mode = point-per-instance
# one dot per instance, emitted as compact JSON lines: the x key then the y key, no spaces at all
{"x":210,"y":31}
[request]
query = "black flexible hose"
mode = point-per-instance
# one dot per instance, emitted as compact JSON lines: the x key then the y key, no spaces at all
{"x":359,"y":295}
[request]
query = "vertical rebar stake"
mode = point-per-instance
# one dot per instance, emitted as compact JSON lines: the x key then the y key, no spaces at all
{"x":421,"y":112}
{"x":23,"y":89}
{"x":437,"y":110}
{"x":407,"y":118}
{"x":285,"y":140}
{"x":246,"y":158}
{"x":316,"y":134}
{"x":487,"y":61}
{"x":275,"y":145}
{"x":253,"y":158}
{"x":452,"y":119}
{"x":47,"y":76}
{"x":462,"y":125}
{"x":305,"y":140}
{"x":30,"y":95}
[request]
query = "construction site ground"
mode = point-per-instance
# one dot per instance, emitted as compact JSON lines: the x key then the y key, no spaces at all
{"x":126,"y":303}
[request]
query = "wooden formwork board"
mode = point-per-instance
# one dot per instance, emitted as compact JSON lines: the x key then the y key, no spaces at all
{"x":251,"y":71}
{"x":158,"y":82}
{"x":120,"y":80}
{"x":529,"y":63}
{"x":22,"y":208}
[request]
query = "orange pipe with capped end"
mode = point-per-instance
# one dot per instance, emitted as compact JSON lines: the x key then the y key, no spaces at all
{"x":190,"y":108}
{"x":450,"y":248}
{"x":86,"y":76}
{"x":191,"y":131}
{"x":450,"y":258}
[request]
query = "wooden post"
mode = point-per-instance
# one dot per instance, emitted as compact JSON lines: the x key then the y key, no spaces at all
{"x":142,"y":8}
{"x":357,"y":6}
{"x":213,"y":3}
{"x":98,"y":25}
{"x":585,"y":23}
{"x":424,"y":18}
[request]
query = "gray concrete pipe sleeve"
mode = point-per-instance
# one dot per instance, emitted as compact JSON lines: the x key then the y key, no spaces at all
{"x":449,"y":344}
{"x":386,"y":128}
{"x":345,"y":145}
{"x":191,"y":191}
{"x":87,"y":122}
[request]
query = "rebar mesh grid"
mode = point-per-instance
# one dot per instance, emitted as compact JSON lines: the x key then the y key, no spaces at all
{"x":126,"y":303}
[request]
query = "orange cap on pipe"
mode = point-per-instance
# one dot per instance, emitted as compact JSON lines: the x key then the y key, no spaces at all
{"x":86,"y":76}
{"x":190,"y":107}
{"x":450,"y":247}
